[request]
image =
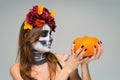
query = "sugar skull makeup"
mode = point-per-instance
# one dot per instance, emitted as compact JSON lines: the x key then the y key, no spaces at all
{"x":45,"y":40}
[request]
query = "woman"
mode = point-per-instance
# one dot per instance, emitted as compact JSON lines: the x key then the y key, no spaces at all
{"x":37,"y":62}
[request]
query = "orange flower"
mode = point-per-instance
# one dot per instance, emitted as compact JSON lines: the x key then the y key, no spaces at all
{"x":39,"y":23}
{"x":40,"y":9}
{"x":27,"y":25}
{"x":52,"y":14}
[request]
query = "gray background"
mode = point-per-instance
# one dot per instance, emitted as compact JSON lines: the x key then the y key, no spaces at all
{"x":74,"y":18}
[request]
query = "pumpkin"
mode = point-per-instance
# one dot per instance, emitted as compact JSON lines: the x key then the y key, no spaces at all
{"x":88,"y":42}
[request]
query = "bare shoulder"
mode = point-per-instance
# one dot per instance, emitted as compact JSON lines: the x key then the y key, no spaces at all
{"x":62,"y":57}
{"x":14,"y":67}
{"x":15,"y":71}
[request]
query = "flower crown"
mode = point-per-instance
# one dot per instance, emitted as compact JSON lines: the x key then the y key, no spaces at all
{"x":38,"y":17}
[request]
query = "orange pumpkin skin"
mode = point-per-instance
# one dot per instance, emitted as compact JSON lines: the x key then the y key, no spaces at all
{"x":88,"y":43}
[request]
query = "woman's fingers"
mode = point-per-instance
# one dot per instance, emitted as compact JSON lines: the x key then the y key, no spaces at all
{"x":79,"y":50}
{"x":94,"y":56}
{"x":84,"y":60}
{"x":95,"y":50}
{"x":82,"y":53}
{"x":89,"y":59}
{"x":99,"y":51}
{"x":78,"y":55}
{"x":102,"y":48}
{"x":72,"y":49}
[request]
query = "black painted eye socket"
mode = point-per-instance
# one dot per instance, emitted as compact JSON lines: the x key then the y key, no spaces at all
{"x":44,"y":33}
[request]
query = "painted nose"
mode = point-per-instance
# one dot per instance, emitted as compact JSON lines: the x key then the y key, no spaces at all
{"x":50,"y":39}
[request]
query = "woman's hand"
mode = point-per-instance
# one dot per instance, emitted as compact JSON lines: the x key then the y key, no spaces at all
{"x":96,"y":55}
{"x":72,"y":63}
{"x":75,"y":59}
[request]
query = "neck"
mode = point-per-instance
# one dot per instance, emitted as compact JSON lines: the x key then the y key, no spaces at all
{"x":39,"y":58}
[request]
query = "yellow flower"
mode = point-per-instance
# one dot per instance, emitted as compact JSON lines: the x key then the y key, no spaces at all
{"x":40,"y":9}
{"x":27,"y":26}
{"x":52,"y":14}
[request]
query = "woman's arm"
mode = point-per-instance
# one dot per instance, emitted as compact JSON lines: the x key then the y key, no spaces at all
{"x":85,"y":72}
{"x":72,"y":75}
{"x":14,"y":71}
{"x":75,"y":75}
{"x":63,"y":74}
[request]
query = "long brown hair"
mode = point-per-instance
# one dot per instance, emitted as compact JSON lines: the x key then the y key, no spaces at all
{"x":26,"y":38}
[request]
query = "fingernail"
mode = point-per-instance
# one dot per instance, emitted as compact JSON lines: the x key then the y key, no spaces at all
{"x":73,"y":42}
{"x":101,"y":42}
{"x":85,"y":50}
{"x":94,"y":46}
{"x":82,"y":46}
{"x":90,"y":56}
{"x":98,"y":42}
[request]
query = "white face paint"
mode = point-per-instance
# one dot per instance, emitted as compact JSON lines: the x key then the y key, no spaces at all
{"x":45,"y":40}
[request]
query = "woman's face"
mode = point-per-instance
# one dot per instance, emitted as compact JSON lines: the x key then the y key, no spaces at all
{"x":45,"y":40}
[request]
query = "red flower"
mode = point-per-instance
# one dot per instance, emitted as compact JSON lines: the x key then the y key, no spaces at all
{"x":39,"y":23}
